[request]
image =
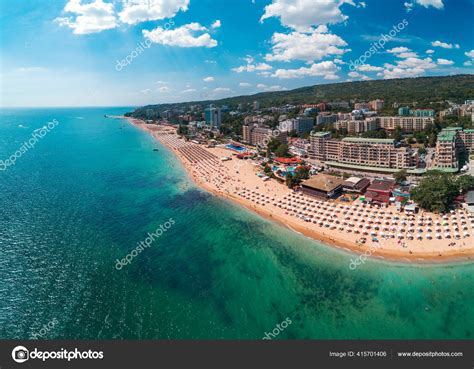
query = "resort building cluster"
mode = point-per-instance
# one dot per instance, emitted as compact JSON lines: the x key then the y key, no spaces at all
{"x":356,"y":162}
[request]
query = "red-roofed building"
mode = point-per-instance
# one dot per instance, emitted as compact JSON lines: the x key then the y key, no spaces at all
{"x":244,"y":155}
{"x":288,"y":161}
{"x":380,"y":191}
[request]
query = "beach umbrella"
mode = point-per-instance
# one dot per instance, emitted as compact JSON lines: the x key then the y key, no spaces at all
{"x":400,"y":235}
{"x":419,"y":236}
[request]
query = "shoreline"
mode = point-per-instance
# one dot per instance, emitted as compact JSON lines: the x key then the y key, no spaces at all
{"x":329,"y":238}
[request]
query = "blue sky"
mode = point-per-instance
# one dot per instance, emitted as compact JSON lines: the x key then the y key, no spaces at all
{"x":136,"y":52}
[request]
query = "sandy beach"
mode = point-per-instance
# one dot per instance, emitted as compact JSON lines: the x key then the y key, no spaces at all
{"x":422,"y":238}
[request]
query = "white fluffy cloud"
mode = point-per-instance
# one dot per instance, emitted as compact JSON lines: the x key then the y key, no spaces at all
{"x":89,"y":18}
{"x":251,"y":66}
{"x":326,"y":69}
{"x":426,"y":63}
{"x":184,"y":36}
{"x":244,"y":84}
{"x":408,"y":64}
{"x":369,"y":68}
{"x":302,"y":15}
{"x":429,"y":51}
{"x":361,"y":76}
{"x":221,"y":89}
{"x":403,"y":52}
{"x":216,"y":24}
{"x":438,"y":4}
{"x":307,"y":47}
{"x":136,"y":11}
{"x":469,"y":54}
{"x":400,"y":49}
{"x":97,"y":16}
{"x":444,"y":62}
{"x":263,"y":87}
{"x":444,"y":45}
{"x":409,"y":67}
{"x":208,"y":79}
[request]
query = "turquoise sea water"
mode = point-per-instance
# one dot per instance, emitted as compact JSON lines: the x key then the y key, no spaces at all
{"x":89,"y":191}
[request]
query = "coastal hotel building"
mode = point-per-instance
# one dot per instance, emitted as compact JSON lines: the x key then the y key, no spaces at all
{"x":361,"y":153}
{"x":453,"y":142}
{"x":257,"y":135}
{"x":407,"y":124}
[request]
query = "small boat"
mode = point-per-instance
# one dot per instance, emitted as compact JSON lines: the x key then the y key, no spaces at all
{"x":155,"y":150}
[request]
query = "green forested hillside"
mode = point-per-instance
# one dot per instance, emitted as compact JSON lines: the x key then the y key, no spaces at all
{"x":423,"y":90}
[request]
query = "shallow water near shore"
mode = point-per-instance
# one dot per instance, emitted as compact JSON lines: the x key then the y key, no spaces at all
{"x":93,"y":188}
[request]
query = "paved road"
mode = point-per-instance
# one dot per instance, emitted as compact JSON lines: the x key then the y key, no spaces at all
{"x":471,"y":168}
